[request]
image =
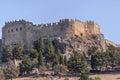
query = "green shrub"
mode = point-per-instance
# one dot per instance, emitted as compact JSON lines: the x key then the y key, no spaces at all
{"x":96,"y":78}
{"x":66,"y":78}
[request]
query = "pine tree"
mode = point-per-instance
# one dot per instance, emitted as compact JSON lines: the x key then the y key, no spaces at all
{"x":26,"y":65}
{"x":58,"y":54}
{"x":56,"y":61}
{"x":77,"y":63}
{"x":50,"y":53}
{"x":65,"y":60}
{"x":7,"y":53}
{"x":39,"y":45}
{"x":61,"y":60}
{"x":40,"y":60}
{"x":18,"y":51}
{"x":33,"y":54}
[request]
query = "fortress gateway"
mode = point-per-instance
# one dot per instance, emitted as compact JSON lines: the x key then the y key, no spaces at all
{"x":26,"y":32}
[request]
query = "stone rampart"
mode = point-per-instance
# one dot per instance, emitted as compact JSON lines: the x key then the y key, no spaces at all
{"x":108,"y":42}
{"x":27,"y":32}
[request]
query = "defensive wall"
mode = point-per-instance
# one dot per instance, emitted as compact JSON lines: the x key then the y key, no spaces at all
{"x":26,"y":32}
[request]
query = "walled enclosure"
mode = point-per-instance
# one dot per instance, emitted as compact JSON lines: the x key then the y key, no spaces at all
{"x":26,"y":32}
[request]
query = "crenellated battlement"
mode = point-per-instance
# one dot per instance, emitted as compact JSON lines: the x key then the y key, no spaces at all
{"x":90,"y":22}
{"x":24,"y":22}
{"x":10,"y":23}
{"x":88,"y":26}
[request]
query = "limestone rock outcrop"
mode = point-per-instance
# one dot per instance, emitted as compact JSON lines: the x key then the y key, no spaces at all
{"x":81,"y":44}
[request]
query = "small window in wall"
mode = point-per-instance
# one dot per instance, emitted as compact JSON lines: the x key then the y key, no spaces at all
{"x":16,"y":29}
{"x":20,"y":28}
{"x":11,"y":30}
{"x":8,"y":31}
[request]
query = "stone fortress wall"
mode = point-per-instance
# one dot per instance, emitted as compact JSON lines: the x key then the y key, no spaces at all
{"x":26,"y":32}
{"x":108,"y":42}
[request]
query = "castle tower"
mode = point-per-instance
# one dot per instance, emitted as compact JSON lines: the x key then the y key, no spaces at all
{"x":92,"y":27}
{"x":13,"y":33}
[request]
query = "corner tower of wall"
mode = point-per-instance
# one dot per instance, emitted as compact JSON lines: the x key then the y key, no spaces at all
{"x":14,"y":32}
{"x":79,"y":28}
{"x":67,"y":29}
{"x":92,"y":27}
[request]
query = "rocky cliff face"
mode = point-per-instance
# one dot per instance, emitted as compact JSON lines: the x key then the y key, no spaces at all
{"x":81,"y":44}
